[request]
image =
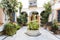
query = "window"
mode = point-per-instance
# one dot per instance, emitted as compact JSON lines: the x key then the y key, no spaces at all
{"x":32,"y":3}
{"x":58,"y":15}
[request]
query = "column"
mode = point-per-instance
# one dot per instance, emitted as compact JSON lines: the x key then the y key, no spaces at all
{"x":39,"y":19}
{"x":28,"y":17}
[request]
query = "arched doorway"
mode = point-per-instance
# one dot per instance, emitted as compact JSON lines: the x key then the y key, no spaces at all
{"x":34,"y":15}
{"x":23,"y":18}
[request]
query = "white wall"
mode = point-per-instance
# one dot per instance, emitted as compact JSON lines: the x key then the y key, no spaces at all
{"x":25,"y":3}
{"x":40,"y":3}
{"x":54,"y":9}
{"x":0,"y":0}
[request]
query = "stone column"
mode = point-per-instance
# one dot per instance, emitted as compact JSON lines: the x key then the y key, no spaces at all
{"x":29,"y":17}
{"x":39,"y":19}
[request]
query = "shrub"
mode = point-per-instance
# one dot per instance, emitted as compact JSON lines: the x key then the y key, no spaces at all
{"x":45,"y":14}
{"x":33,"y":25}
{"x":54,"y":26}
{"x":22,"y":20}
{"x":16,"y":26}
{"x":10,"y":29}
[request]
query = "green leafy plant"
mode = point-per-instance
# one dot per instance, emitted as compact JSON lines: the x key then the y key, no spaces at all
{"x":54,"y":26}
{"x":9,"y":7}
{"x":10,"y":29}
{"x":33,"y":25}
{"x":22,"y":20}
{"x":45,"y":14}
{"x":17,"y":26}
{"x":20,"y":7}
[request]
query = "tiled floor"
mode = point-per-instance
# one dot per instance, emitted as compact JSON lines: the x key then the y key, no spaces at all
{"x":20,"y":35}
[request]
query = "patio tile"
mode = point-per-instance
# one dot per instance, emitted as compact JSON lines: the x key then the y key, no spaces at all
{"x":20,"y":35}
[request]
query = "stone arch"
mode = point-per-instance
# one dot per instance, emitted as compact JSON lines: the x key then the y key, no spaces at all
{"x":24,"y":13}
{"x":34,"y":13}
{"x":42,"y":13}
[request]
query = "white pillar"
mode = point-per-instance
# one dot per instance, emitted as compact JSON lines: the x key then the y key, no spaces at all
{"x":39,"y":18}
{"x":28,"y":17}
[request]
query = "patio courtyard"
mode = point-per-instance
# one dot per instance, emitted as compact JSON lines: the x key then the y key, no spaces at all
{"x":29,"y":19}
{"x":20,"y":35}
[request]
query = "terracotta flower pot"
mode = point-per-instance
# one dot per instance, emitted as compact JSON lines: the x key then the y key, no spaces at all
{"x":57,"y":32}
{"x":45,"y":27}
{"x":49,"y":28}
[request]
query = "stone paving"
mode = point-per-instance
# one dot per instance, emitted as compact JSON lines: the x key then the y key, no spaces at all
{"x":20,"y":35}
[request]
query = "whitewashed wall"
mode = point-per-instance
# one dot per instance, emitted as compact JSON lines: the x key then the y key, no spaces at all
{"x":40,"y":3}
{"x":53,"y":16}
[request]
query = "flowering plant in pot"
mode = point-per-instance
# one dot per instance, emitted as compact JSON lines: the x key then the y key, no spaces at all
{"x":33,"y":28}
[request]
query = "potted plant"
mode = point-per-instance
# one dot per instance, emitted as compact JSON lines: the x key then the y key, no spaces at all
{"x":54,"y":27}
{"x":45,"y":14}
{"x":48,"y":26}
{"x":33,"y":28}
{"x":11,"y":29}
